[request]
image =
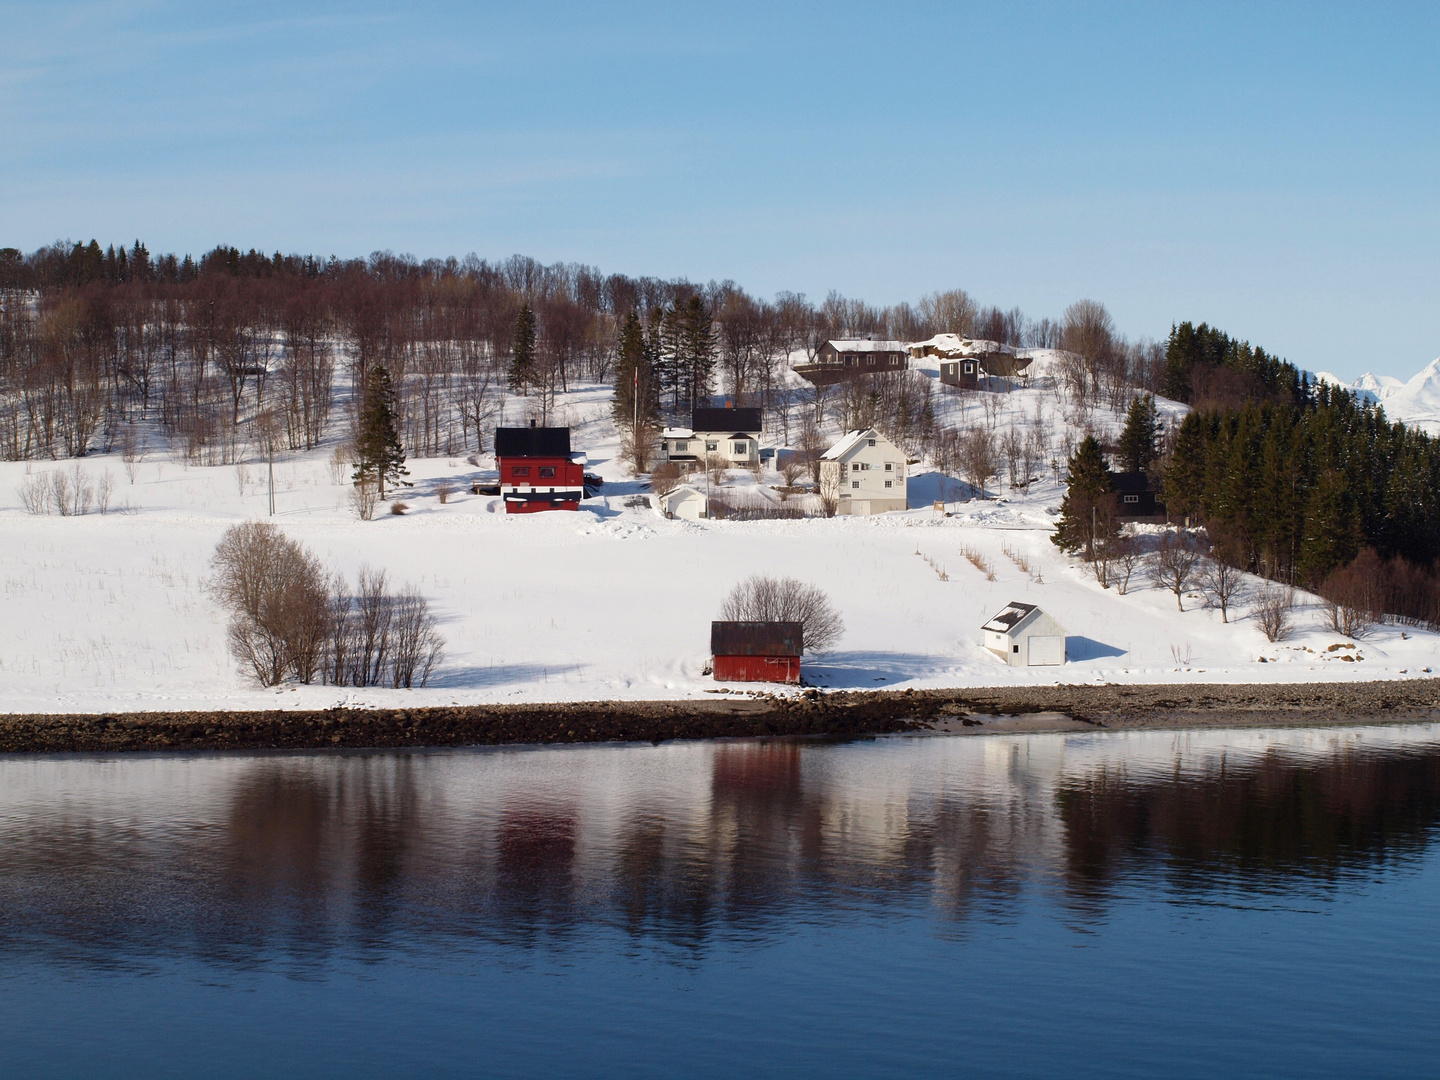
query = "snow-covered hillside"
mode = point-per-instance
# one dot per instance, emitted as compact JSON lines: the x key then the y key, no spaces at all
{"x":1416,"y":402}
{"x":111,"y":613}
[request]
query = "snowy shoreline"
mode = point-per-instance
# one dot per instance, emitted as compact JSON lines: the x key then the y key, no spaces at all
{"x":992,"y":710}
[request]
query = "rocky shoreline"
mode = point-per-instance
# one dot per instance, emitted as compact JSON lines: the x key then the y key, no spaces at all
{"x":812,"y":713}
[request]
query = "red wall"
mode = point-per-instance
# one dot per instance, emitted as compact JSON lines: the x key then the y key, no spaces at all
{"x":783,"y":669}
{"x":567,"y":473}
{"x":569,"y":477}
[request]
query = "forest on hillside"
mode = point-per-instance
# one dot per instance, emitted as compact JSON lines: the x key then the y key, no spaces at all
{"x":237,"y":347}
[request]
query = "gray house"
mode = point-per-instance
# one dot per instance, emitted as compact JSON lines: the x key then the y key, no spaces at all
{"x":1024,"y":636}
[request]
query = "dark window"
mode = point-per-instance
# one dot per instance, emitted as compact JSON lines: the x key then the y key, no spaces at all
{"x":520,"y":470}
{"x":1017,"y":648}
{"x":547,"y":472}
{"x":854,"y":483}
{"x":969,"y":369}
{"x":1132,"y":498}
{"x":870,"y":442}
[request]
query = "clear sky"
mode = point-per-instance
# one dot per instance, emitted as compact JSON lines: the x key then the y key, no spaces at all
{"x":1271,"y":168}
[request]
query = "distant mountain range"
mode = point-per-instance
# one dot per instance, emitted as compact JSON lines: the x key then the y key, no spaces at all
{"x":1416,"y":403}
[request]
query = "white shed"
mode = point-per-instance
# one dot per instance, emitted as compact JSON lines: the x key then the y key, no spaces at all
{"x":685,"y":502}
{"x":1024,"y":636}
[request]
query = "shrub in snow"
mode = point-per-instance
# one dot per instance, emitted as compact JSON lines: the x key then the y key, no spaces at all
{"x":1272,"y":610}
{"x":290,"y":619}
{"x":765,"y":599}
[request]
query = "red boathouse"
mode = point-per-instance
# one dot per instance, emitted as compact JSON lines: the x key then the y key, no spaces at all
{"x":756,"y":651}
{"x":537,"y":469}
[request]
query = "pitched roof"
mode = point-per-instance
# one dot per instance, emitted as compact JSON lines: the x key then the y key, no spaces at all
{"x":1008,"y":617}
{"x":1130,"y":482}
{"x":737,"y":420}
{"x":858,"y":345}
{"x":532,"y":442}
{"x":757,"y":638}
{"x":850,"y":440}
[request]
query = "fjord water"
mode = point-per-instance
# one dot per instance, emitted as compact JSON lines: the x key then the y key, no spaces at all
{"x":1238,"y":903}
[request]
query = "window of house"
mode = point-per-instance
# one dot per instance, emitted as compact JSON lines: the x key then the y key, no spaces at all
{"x":854,"y":484}
{"x":869,"y":442}
{"x":1132,"y":498}
{"x":854,"y":466}
{"x":711,"y":447}
{"x":741,"y":449}
{"x":547,"y":472}
{"x":889,"y":466}
{"x":520,"y":470}
{"x":1015,"y":649}
{"x":969,"y":369}
{"x":682,"y":446}
{"x":888,"y":483}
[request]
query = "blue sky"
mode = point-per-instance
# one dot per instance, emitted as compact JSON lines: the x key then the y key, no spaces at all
{"x":1271,"y":168}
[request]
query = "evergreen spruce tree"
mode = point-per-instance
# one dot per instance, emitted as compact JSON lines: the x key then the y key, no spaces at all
{"x":1184,"y":480}
{"x":522,"y":350}
{"x":1137,"y":447}
{"x":697,"y":350}
{"x":378,"y":456}
{"x":1082,"y":523}
{"x":1332,"y":528}
{"x":636,"y":393}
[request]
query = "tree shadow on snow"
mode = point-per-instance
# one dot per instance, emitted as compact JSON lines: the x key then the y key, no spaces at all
{"x":872,"y":670}
{"x":925,"y":490}
{"x":1079,"y":647}
{"x":461,"y":678}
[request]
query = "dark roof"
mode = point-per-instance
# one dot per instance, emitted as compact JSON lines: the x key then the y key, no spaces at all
{"x":532,"y":442}
{"x":1130,"y":482}
{"x":1008,"y":616}
{"x":757,"y":638}
{"x":725,"y":420}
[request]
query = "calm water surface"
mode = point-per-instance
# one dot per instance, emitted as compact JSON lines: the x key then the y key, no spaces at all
{"x":1127,"y":904}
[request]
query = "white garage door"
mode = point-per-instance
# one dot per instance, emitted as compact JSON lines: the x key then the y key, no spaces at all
{"x":1047,"y":650}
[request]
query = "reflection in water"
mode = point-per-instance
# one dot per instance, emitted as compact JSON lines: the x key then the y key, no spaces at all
{"x":235,"y":858}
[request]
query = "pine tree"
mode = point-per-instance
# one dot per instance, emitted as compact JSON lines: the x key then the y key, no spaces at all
{"x":1137,"y":446}
{"x":522,"y":350}
{"x":1082,"y":520}
{"x":378,"y":456}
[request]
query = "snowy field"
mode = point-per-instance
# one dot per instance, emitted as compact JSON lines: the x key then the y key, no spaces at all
{"x":109,"y":613}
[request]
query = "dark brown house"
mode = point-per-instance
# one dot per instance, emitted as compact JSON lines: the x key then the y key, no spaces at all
{"x":1136,"y":496}
{"x":846,"y":358}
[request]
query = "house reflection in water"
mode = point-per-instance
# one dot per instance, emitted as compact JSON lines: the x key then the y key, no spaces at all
{"x":230,"y":856}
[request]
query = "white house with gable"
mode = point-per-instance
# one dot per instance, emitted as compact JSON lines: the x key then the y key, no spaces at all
{"x":864,"y":473}
{"x":1024,"y":636}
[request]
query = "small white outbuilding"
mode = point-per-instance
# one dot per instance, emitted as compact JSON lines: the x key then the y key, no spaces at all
{"x":1024,"y":636}
{"x":685,"y":502}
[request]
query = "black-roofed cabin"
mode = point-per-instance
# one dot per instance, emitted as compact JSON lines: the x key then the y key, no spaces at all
{"x":537,"y":469}
{"x":756,"y":651}
{"x":1135,"y":496}
{"x":730,"y":434}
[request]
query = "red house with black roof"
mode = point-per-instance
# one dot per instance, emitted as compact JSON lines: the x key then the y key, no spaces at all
{"x":756,"y":651}
{"x":537,"y":469}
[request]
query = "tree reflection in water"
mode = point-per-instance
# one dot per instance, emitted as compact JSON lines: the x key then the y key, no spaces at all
{"x":247,"y":859}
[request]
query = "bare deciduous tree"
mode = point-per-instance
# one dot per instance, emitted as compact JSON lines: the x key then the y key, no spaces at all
{"x":1273,"y":608}
{"x":765,"y":599}
{"x":1223,"y":584}
{"x":1173,"y":564}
